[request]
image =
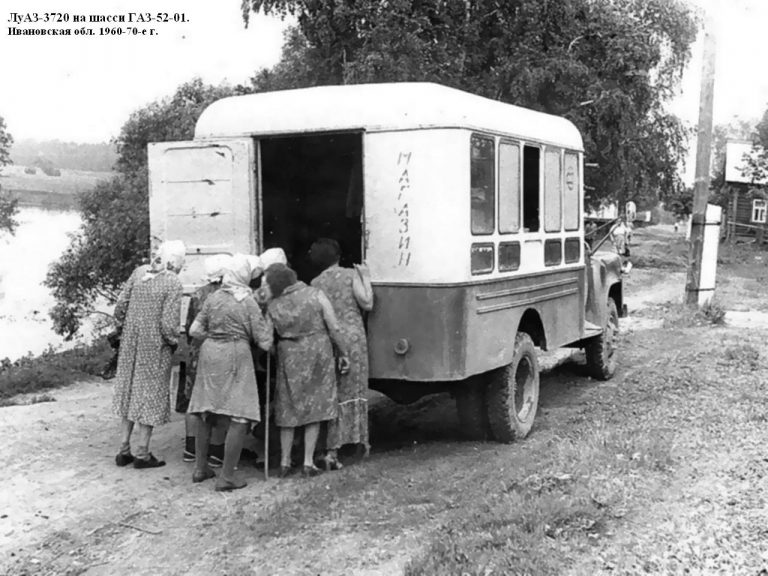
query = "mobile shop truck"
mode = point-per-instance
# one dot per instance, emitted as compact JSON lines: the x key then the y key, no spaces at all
{"x":468,"y":211}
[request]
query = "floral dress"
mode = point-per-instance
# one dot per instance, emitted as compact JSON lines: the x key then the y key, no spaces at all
{"x":150,"y":311}
{"x":351,"y":424}
{"x":305,"y":391}
{"x":225,"y":381}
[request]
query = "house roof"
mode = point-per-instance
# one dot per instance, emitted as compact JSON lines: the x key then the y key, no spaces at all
{"x":378,"y":107}
{"x":735,"y":162}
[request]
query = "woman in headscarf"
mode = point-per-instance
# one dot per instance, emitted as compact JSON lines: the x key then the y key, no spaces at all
{"x":350,"y":292}
{"x":305,"y":392}
{"x":226,"y":381}
{"x":214,"y":269}
{"x":149,"y":310}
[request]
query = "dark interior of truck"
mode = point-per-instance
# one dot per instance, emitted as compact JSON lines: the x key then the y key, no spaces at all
{"x":312,"y":187}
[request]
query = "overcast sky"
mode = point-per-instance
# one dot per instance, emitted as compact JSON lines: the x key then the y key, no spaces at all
{"x":83,"y":88}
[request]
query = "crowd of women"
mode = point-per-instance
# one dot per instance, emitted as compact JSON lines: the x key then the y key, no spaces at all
{"x":247,"y":303}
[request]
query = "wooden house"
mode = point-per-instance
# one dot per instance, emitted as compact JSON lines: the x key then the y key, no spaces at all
{"x":748,"y":204}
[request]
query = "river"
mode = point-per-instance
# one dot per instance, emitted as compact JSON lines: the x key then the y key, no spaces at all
{"x":40,"y":239}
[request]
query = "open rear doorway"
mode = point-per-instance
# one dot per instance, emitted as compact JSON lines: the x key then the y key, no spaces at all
{"x":312,"y":187}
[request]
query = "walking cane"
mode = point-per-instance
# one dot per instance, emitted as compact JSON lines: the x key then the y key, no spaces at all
{"x":266,"y":425}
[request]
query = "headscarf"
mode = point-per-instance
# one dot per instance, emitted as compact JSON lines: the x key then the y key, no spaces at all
{"x":170,"y":254}
{"x":260,"y":263}
{"x":273,"y":256}
{"x":255,"y":263}
{"x":237,"y":277}
{"x":216,"y":266}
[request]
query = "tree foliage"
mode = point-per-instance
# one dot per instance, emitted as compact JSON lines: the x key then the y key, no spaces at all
{"x":114,"y":236}
{"x":608,"y":66}
{"x":9,"y":205}
{"x":757,"y":164}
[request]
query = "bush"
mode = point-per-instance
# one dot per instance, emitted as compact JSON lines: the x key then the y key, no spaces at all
{"x":51,"y":369}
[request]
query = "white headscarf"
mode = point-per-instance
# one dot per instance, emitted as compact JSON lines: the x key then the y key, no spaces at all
{"x":237,"y":277}
{"x":216,"y":266}
{"x":256,"y":267}
{"x":260,"y":263}
{"x":169,"y":256}
{"x":273,"y":256}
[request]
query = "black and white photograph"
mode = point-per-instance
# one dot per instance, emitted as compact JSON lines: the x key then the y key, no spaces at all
{"x":384,"y":287}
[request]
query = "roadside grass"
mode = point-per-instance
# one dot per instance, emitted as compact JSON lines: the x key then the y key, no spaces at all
{"x":52,"y":369}
{"x":641,"y":431}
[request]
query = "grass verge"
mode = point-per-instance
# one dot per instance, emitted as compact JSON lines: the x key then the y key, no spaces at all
{"x":52,"y":369}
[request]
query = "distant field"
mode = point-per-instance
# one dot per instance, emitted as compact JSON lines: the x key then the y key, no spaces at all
{"x":49,"y":191}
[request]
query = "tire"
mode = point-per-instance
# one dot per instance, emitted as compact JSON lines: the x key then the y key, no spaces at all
{"x":601,"y":350}
{"x":470,"y":406}
{"x":513,"y":393}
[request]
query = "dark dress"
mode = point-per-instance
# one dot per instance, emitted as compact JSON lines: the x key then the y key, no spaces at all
{"x":305,"y":391}
{"x":351,"y":423}
{"x":226,"y":381}
{"x":151,"y":311}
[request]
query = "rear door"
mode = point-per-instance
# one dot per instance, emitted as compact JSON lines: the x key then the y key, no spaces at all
{"x":203,"y":193}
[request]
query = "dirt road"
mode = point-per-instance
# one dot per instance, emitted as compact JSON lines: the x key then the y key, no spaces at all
{"x":66,"y":509}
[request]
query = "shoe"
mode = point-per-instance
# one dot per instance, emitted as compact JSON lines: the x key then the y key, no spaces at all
{"x":208,"y":474}
{"x":227,"y":486}
{"x":331,"y":463}
{"x":150,"y":462}
{"x":189,"y":456}
{"x":285,"y":471}
{"x":124,"y":459}
{"x":310,"y":471}
{"x":246,"y":454}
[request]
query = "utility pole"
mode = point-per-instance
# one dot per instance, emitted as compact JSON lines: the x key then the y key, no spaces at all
{"x":703,"y":153}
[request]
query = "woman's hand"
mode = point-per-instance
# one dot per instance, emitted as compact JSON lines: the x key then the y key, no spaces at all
{"x":363,"y":270}
{"x":343,"y":364}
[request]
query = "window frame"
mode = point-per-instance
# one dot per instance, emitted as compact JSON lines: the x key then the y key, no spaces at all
{"x":493,"y":188}
{"x":549,"y":152}
{"x":579,"y":200}
{"x":519,"y":145}
{"x":759,"y":210}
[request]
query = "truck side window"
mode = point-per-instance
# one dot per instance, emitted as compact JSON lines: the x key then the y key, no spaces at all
{"x":571,"y":204}
{"x":531,"y":157}
{"x":482,"y":184}
{"x":553,"y":200}
{"x":509,"y":187}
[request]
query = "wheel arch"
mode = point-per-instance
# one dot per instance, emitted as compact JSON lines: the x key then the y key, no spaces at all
{"x":531,"y":324}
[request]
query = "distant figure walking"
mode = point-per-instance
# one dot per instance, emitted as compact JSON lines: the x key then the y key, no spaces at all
{"x":350,"y":293}
{"x":149,"y":308}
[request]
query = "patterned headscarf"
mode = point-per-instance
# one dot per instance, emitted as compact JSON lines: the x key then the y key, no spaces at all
{"x":237,"y":277}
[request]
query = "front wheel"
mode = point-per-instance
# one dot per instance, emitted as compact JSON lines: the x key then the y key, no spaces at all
{"x":601,"y":350}
{"x":513,"y":393}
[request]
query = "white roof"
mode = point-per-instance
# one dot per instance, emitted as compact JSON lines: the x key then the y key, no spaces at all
{"x":735,"y":162}
{"x":378,"y":107}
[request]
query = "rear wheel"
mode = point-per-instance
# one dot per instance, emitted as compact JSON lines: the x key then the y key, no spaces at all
{"x":601,"y":350}
{"x":513,"y":393}
{"x":470,"y":406}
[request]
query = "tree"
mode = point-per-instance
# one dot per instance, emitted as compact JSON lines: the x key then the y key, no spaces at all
{"x":9,"y":205}
{"x":114,"y":236}
{"x":608,"y":66}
